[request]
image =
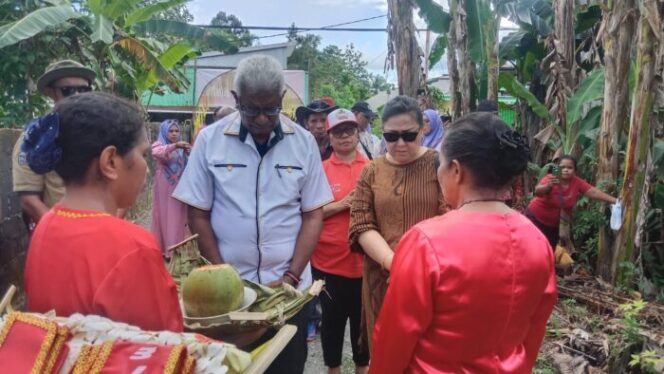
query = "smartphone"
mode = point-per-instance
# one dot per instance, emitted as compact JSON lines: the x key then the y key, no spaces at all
{"x":555,"y":170}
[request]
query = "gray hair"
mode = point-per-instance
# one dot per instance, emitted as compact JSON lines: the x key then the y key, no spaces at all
{"x":260,"y":73}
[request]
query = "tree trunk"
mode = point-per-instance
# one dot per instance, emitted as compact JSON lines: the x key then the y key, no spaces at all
{"x":563,"y":67}
{"x":639,"y":142}
{"x":465,"y":64}
{"x":493,"y":63}
{"x":402,"y":36}
{"x":617,"y":37}
{"x":452,"y":69}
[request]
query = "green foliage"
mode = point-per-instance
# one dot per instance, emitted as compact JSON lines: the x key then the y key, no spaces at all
{"x":340,"y":74}
{"x":438,"y":49}
{"x":646,"y":360}
{"x":200,"y":36}
{"x":630,"y":322}
{"x":133,"y":45}
{"x":586,"y":96}
{"x":435,"y":16}
{"x":478,"y":14}
{"x":34,"y":23}
{"x":515,"y":88}
{"x":243,"y":36}
{"x":588,"y":218}
{"x":147,"y":12}
{"x":531,"y":15}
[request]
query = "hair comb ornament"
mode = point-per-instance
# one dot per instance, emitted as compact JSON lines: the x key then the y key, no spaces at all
{"x":511,"y":139}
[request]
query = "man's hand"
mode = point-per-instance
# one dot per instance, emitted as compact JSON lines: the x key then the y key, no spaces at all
{"x":33,"y":206}
{"x":278,"y":282}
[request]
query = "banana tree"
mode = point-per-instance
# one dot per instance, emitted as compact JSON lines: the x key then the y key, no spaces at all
{"x":562,"y":63}
{"x":403,"y":45}
{"x":470,"y":29}
{"x":618,"y":29}
{"x":638,"y":161}
{"x":118,"y":40}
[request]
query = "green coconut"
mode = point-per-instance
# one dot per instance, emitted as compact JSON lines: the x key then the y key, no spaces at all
{"x":212,"y":290}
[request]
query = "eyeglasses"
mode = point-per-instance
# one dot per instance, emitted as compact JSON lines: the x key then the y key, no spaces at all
{"x":70,"y":90}
{"x":343,"y":132}
{"x":407,"y":136}
{"x":253,"y":111}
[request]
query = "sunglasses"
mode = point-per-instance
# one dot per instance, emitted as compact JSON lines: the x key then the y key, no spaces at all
{"x":407,"y":136}
{"x":343,"y":132}
{"x":252,"y":111}
{"x":70,"y":90}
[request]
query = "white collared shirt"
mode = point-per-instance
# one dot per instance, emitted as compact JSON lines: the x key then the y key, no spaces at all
{"x":256,"y":203}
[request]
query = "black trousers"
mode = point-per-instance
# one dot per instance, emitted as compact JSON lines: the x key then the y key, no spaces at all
{"x":552,"y":233}
{"x":291,"y":360}
{"x":341,"y":301}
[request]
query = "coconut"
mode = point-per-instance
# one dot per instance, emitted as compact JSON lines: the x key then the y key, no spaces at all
{"x":212,"y":290}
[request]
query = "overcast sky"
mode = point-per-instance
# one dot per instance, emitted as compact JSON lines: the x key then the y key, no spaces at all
{"x":312,"y":13}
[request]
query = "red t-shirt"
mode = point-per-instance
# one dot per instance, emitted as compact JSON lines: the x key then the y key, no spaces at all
{"x":333,"y":254}
{"x":547,"y":208}
{"x":93,"y":263}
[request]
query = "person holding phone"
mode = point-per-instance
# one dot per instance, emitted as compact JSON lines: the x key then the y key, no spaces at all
{"x":557,"y":194}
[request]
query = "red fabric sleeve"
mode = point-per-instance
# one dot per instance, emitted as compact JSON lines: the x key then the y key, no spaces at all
{"x":408,"y":307}
{"x":535,"y":334}
{"x":582,"y":185}
{"x":140,"y":291}
{"x":162,"y":152}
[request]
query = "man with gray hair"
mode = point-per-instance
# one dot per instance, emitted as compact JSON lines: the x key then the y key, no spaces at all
{"x":255,"y":188}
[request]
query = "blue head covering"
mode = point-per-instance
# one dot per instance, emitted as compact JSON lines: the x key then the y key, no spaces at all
{"x":436,"y":135}
{"x":175,"y":165}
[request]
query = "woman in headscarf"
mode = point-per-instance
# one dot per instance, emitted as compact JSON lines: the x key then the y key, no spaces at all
{"x":168,"y":214}
{"x":433,"y":129}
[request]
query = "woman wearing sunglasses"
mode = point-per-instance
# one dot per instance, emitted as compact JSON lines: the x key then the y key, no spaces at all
{"x":394,"y":193}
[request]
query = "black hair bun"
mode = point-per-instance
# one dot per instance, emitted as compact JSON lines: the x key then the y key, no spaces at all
{"x":515,"y":149}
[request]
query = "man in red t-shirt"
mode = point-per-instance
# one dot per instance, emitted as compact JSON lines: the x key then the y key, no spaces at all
{"x":556,"y":195}
{"x":333,"y":260}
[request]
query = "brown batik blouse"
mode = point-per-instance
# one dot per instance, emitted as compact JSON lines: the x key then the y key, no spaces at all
{"x":390,"y":199}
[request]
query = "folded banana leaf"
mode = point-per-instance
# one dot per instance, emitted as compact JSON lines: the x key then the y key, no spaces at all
{"x":272,"y":308}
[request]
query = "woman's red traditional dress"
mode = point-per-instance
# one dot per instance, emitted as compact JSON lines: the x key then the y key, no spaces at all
{"x":469,"y":293}
{"x":93,"y":263}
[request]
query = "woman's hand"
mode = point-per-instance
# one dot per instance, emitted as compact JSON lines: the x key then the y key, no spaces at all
{"x":348,"y":200}
{"x":545,"y":189}
{"x":552,"y":182}
{"x":183,"y":145}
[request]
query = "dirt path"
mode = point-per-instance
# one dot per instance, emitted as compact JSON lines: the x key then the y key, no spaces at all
{"x":315,"y":364}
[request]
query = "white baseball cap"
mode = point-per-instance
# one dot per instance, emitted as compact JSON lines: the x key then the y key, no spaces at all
{"x":338,"y":117}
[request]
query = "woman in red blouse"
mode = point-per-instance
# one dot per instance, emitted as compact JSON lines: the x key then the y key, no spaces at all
{"x":556,"y":195}
{"x":82,"y":259}
{"x":475,"y":287}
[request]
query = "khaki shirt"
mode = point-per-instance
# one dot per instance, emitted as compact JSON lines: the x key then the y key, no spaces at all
{"x":50,"y":186}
